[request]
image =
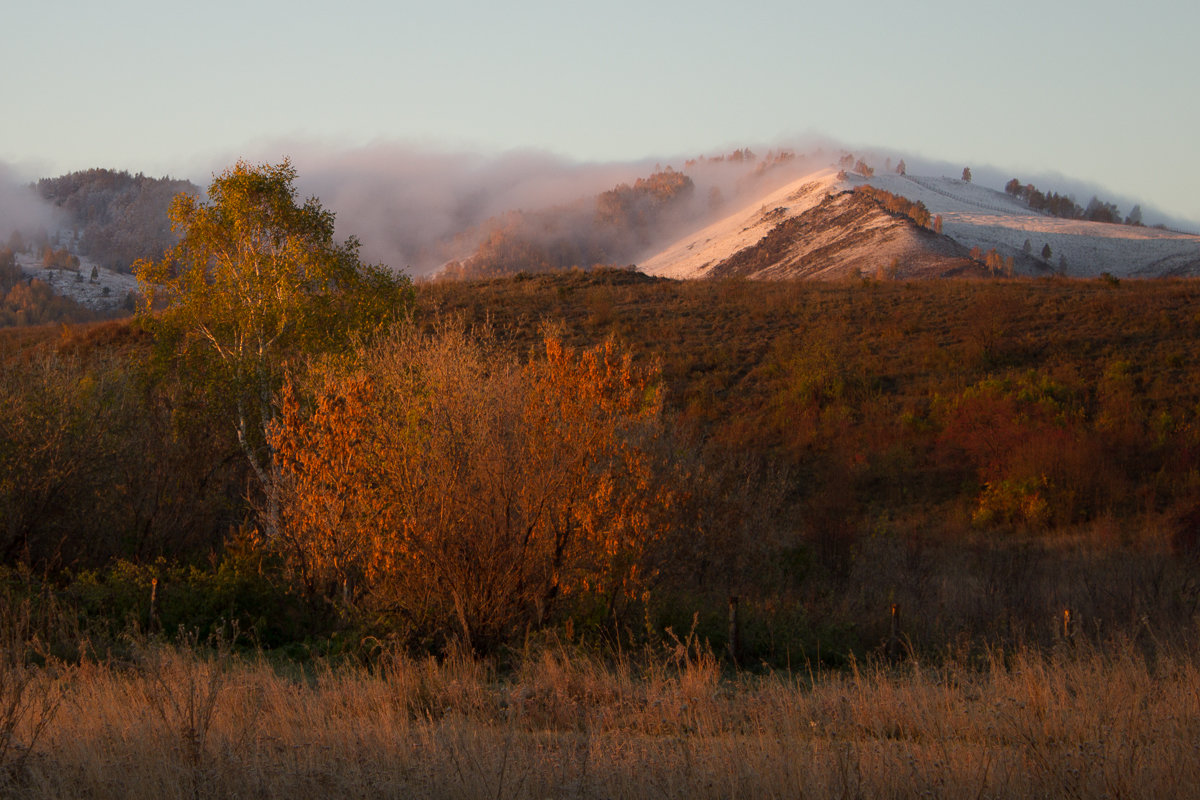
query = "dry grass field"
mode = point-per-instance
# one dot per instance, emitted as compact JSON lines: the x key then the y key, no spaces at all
{"x":1118,"y":722}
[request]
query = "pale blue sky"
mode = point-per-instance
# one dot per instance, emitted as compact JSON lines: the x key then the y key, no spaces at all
{"x":1099,"y":91}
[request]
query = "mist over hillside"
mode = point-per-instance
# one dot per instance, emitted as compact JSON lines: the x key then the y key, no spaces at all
{"x":428,"y":211}
{"x":420,"y":210}
{"x":417,"y":209}
{"x":21,"y":209}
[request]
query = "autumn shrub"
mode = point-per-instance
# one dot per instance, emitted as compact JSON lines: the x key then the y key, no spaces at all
{"x":101,"y":460}
{"x":453,"y":488}
{"x":1028,"y":441}
{"x":62,"y":430}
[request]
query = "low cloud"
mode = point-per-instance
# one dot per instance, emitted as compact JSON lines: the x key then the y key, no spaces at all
{"x":410,"y":206}
{"x":21,"y":209}
{"x":416,"y":207}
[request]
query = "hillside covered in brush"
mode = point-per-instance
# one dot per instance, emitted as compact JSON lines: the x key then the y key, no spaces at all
{"x":112,"y":217}
{"x":973,"y":449}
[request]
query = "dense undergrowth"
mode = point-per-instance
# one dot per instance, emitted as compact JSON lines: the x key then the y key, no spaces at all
{"x":982,"y":455}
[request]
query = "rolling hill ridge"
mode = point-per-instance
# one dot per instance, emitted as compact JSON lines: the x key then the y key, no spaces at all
{"x":818,"y":226}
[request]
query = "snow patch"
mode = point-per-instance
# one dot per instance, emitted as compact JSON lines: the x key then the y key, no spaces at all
{"x":107,"y":292}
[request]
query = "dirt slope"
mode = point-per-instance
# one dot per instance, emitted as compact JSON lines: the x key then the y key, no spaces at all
{"x":848,"y":234}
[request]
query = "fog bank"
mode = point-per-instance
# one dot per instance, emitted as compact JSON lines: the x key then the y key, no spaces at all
{"x":21,"y":209}
{"x":416,"y":207}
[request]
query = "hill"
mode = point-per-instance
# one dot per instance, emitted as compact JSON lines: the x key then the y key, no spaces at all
{"x":980,"y":452}
{"x":112,"y":217}
{"x":781,"y":216}
{"x":815,"y":227}
{"x":29,"y":300}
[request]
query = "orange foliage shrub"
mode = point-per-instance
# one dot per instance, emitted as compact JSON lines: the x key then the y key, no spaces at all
{"x":330,"y":533}
{"x":451,"y":487}
{"x":1035,"y":456}
{"x":914,"y":210}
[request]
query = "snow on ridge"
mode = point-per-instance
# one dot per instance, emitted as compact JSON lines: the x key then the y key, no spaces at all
{"x":692,"y":255}
{"x":977,"y":216}
{"x":972,"y":214}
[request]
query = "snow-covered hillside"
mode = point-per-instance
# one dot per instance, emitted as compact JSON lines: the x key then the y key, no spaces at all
{"x":976,"y":216}
{"x":972,"y":215}
{"x":695,"y":254}
{"x":107,"y":292}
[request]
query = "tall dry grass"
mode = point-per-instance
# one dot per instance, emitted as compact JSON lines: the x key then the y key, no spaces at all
{"x":178,"y":723}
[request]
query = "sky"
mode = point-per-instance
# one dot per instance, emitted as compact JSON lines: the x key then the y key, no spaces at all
{"x":1098,"y":91}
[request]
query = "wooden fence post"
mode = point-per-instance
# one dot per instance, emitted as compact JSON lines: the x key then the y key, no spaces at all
{"x":153,"y":621}
{"x":893,"y":647}
{"x":735,"y":632}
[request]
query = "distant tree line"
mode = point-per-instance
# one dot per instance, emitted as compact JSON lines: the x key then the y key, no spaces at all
{"x":1057,"y":205}
{"x":913,"y":209}
{"x":740,"y":156}
{"x":745,"y":155}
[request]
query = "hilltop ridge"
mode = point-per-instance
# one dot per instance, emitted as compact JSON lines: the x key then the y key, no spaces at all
{"x":813,"y":228}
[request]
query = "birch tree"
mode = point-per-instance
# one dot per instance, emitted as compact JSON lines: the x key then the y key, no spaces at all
{"x":257,"y":277}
